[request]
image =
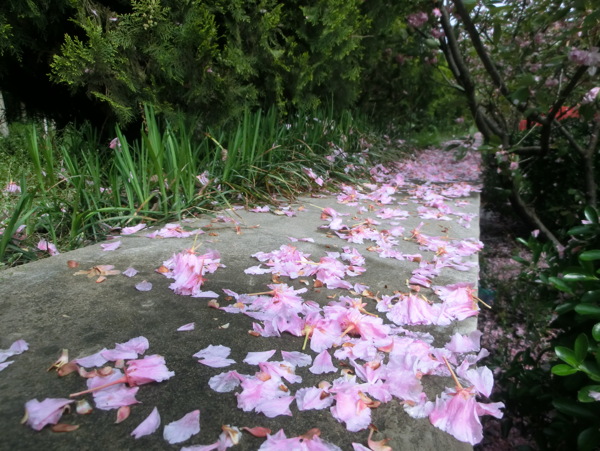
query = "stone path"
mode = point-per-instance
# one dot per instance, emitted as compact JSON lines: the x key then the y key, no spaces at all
{"x":380,"y":274}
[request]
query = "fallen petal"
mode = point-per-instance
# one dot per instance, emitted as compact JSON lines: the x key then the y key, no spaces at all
{"x":122,"y":414}
{"x":68,"y":368}
{"x":83,"y":407}
{"x":148,"y":426}
{"x":39,"y":414}
{"x":189,"y":326}
{"x":257,"y":431}
{"x":182,"y":429}
{"x":143,"y":286}
{"x":62,"y":427}
{"x":111,"y":246}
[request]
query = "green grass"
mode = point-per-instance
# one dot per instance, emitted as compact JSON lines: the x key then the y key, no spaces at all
{"x":75,"y":189}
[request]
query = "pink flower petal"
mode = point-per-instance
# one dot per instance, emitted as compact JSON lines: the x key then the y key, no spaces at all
{"x":4,"y":365}
{"x":185,"y":327}
{"x":16,"y":348}
{"x":296,"y":358}
{"x":122,"y":414}
{"x":130,"y":272}
{"x":93,"y":360}
{"x":148,"y":426}
{"x":111,"y":246}
{"x":254,"y":358}
{"x":225,"y":382}
{"x":143,"y":286}
{"x":49,"y":411}
{"x":214,"y":356}
{"x":133,"y":229}
{"x":182,"y":429}
{"x":323,"y":364}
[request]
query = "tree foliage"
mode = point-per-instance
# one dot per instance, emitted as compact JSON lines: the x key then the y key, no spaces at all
{"x":215,"y":57}
{"x":527,"y":70}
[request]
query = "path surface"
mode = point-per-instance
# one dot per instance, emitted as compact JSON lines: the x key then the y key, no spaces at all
{"x":423,"y":232}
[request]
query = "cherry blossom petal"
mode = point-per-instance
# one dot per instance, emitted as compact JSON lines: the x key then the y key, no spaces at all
{"x":147,"y":426}
{"x":215,"y":356}
{"x":225,"y":382}
{"x":49,"y":411}
{"x":297,"y":358}
{"x":323,"y":364}
{"x":122,"y":414}
{"x":180,"y":430}
{"x":313,"y":398}
{"x":151,"y":368}
{"x":465,"y":343}
{"x":112,"y":246}
{"x":5,"y":365}
{"x":254,"y":358}
{"x":18,"y":347}
{"x":133,"y":229}
{"x":272,"y":408}
{"x":130,"y":272}
{"x":143,"y":286}
{"x":186,"y":327}
{"x":93,"y":360}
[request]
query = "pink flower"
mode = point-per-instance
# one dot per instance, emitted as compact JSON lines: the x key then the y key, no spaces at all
{"x":188,"y":268}
{"x":12,"y":187}
{"x":151,"y":368}
{"x":49,"y":411}
{"x":182,"y":429}
{"x":591,"y":95}
{"x":458,"y":414}
{"x":417,"y":20}
{"x":148,"y":426}
{"x":46,"y":246}
{"x":204,"y":178}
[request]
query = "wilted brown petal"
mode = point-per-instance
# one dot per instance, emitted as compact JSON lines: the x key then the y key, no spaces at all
{"x":257,"y":431}
{"x":62,"y":427}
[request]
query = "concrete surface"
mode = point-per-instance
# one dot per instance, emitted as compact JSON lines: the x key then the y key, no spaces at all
{"x":46,"y":305}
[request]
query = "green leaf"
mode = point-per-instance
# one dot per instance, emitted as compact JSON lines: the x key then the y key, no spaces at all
{"x":584,"y":394}
{"x":563,"y":370}
{"x":588,"y":439}
{"x":567,"y":355}
{"x":580,"y":230}
{"x":591,"y":214}
{"x":579,"y":277}
{"x":588,"y":310}
{"x":596,"y":332}
{"x":564,"y":308}
{"x":560,"y":284}
{"x":581,"y":347}
{"x":521,"y":260}
{"x":572,"y":408}
{"x":590,"y":255}
{"x":591,"y":296}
